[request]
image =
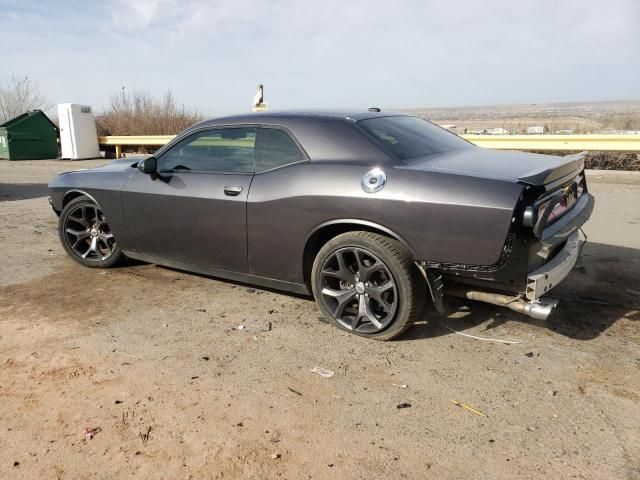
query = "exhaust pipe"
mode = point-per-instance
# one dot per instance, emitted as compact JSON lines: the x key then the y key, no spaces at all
{"x":539,"y":310}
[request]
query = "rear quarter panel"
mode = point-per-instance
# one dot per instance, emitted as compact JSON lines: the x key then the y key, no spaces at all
{"x":439,"y":216}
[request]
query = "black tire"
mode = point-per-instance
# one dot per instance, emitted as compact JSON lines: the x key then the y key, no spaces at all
{"x":86,"y":236}
{"x":388,"y":298}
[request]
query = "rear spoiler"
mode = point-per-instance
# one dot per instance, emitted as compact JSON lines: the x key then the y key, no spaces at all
{"x":568,"y":167}
{"x":577,"y":159}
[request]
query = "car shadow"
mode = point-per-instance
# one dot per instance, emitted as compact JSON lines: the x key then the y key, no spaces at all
{"x":603,"y":288}
{"x":10,"y":192}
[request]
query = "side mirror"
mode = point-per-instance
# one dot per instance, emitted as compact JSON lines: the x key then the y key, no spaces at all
{"x":149,"y":165}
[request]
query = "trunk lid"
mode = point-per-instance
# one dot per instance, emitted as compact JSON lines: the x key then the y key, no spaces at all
{"x":529,"y":168}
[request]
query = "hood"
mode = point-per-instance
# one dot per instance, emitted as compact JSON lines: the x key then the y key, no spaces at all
{"x":119,"y":165}
{"x":530,"y":168}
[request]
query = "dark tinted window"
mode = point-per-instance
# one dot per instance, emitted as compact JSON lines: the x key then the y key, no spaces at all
{"x":275,"y":148}
{"x":221,"y":150}
{"x":410,"y":137}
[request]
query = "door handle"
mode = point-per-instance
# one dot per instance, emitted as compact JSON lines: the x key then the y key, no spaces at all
{"x":232,"y":191}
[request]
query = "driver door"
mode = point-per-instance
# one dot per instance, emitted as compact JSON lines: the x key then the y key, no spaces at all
{"x":193,"y":209}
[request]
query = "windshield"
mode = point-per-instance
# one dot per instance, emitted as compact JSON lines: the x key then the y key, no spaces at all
{"x":409,"y":137}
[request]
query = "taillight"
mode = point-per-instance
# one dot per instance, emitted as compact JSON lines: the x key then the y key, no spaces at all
{"x":549,"y":209}
{"x":570,"y":196}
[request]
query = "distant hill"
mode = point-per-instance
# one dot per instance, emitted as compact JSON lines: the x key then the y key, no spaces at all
{"x":578,"y":117}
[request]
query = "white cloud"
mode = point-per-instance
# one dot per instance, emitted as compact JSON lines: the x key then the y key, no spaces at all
{"x":140,"y":14}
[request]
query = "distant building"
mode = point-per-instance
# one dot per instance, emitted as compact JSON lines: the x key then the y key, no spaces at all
{"x":448,"y":126}
{"x":535,"y":130}
{"x":564,"y":132}
{"x":497,"y":131}
{"x":476,"y":131}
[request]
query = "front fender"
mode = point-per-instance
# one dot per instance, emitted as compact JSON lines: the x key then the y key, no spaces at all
{"x":103,"y":187}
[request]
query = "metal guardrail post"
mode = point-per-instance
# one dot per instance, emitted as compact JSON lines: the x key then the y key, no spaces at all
{"x":119,"y":141}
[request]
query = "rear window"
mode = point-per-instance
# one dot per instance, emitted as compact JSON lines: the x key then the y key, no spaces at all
{"x":411,"y":137}
{"x":275,"y":148}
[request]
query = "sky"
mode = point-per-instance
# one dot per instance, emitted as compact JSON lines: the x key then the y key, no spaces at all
{"x":325,"y":54}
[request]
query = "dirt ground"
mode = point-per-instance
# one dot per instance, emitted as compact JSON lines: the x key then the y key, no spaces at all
{"x":153,"y":358}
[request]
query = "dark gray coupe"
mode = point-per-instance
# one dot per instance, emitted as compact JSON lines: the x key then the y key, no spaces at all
{"x":372,"y":212}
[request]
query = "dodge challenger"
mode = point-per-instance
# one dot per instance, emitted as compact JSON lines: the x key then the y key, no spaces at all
{"x":371,"y":212}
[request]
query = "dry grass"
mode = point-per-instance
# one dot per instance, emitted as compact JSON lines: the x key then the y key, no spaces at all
{"x":605,"y":160}
{"x":139,"y":113}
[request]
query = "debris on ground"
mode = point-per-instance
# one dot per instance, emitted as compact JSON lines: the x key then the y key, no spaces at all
{"x":293,"y":390}
{"x":145,"y":436}
{"x":202,"y":310}
{"x":403,"y":405}
{"x":266,"y":327}
{"x":118,"y":402}
{"x":206,"y":358}
{"x":400,"y":385}
{"x":471,"y":409}
{"x":508,"y":342}
{"x":240,"y":327}
{"x":323,"y":372}
{"x":275,"y":456}
{"x":89,"y":433}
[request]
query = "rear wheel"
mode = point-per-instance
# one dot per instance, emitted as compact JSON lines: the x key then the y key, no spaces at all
{"x":86,"y":236}
{"x":367,"y":284}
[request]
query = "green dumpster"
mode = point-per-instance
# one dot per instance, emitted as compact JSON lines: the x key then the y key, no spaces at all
{"x":30,"y":136}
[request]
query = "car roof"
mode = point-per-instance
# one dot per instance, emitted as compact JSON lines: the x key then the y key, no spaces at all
{"x":290,"y":116}
{"x":324,"y":135}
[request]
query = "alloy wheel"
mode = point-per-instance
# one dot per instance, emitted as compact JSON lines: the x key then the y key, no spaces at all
{"x":87,"y":233}
{"x":357,"y":288}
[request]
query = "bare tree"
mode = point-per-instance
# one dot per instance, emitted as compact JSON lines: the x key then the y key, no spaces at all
{"x":18,"y":96}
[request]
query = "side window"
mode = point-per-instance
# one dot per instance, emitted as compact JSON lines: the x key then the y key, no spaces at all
{"x":275,"y":149}
{"x":224,"y":150}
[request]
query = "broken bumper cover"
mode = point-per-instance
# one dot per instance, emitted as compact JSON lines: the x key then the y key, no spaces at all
{"x":542,"y":280}
{"x":53,"y":206}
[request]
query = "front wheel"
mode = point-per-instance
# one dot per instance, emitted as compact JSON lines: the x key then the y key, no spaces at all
{"x":367,"y":284}
{"x":86,"y":235}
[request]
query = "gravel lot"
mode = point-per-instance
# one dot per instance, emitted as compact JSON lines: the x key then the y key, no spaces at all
{"x":153,"y":359}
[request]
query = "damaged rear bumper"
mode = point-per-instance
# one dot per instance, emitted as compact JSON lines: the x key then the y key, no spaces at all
{"x":539,"y":283}
{"x":542,"y":280}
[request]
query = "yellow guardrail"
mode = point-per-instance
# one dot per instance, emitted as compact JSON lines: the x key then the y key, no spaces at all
{"x":597,"y":143}
{"x":143,"y":140}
